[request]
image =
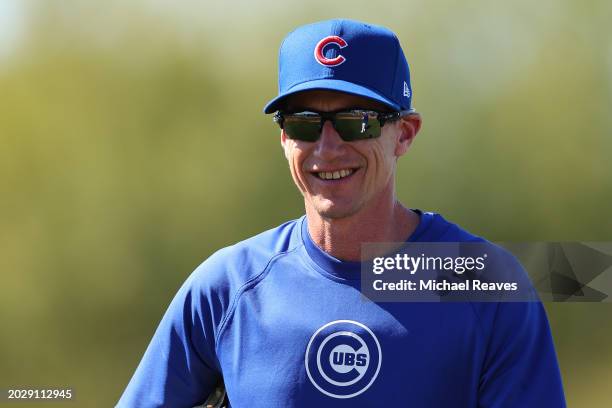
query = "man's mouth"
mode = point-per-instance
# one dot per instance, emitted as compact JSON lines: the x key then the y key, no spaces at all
{"x":334,"y":175}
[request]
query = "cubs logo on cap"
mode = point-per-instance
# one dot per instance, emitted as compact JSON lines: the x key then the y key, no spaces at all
{"x":349,"y":56}
{"x":322,"y":59}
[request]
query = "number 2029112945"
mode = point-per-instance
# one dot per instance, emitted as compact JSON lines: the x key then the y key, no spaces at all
{"x":38,"y":394}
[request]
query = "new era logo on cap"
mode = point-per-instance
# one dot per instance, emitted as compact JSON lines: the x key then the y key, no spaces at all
{"x":349,"y":56}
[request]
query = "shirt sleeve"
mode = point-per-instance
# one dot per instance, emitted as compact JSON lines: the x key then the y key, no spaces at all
{"x":178,"y":368}
{"x":520,"y":367}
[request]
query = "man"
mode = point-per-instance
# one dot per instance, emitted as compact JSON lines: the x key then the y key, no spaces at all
{"x":280,"y":317}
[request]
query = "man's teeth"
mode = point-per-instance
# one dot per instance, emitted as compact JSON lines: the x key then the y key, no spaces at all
{"x":334,"y":175}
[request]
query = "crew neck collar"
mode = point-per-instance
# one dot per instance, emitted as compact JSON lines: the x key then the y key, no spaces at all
{"x":350,"y":270}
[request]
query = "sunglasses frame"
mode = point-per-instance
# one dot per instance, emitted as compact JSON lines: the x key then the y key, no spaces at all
{"x":382,"y":117}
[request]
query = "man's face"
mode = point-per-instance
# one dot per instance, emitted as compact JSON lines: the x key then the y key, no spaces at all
{"x":366,"y":167}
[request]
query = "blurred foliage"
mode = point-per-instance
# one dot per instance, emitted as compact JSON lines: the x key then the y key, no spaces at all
{"x":133,"y":146}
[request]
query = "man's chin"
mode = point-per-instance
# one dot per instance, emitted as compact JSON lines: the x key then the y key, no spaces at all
{"x":333,"y":210}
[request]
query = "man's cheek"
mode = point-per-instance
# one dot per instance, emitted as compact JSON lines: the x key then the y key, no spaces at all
{"x":299,"y":176}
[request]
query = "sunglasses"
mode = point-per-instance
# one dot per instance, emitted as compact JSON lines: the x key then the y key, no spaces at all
{"x":351,"y":125}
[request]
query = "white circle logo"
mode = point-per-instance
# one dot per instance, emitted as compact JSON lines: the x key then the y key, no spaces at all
{"x":343,"y":358}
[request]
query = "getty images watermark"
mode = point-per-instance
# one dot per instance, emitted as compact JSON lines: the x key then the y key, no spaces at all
{"x":484,"y":271}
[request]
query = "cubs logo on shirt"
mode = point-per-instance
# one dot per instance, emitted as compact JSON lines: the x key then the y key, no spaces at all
{"x":343,"y":358}
{"x":320,"y":48}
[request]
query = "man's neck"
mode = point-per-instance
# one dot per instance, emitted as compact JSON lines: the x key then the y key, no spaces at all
{"x":342,"y":237}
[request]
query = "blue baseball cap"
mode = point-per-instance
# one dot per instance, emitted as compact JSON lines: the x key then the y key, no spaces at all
{"x":344,"y":55}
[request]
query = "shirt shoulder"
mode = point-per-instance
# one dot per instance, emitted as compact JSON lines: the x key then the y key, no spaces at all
{"x":219,"y":279}
{"x":440,"y":229}
{"x":238,"y":263}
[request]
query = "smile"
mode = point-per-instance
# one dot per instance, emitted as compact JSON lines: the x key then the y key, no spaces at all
{"x":335,"y":175}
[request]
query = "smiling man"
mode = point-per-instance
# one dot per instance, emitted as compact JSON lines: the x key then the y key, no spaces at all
{"x":280,"y":319}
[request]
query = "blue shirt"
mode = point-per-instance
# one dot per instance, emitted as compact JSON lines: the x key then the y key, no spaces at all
{"x":285,"y":325}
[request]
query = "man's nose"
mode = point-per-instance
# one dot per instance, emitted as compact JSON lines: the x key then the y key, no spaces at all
{"x":330,"y":143}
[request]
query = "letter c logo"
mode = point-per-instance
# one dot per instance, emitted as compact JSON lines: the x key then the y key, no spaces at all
{"x":343,"y":358}
{"x":329,"y":62}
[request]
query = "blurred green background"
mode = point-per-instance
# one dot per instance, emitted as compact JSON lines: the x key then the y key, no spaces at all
{"x":132,"y":146}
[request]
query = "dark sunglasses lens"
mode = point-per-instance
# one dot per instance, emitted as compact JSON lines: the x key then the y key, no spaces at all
{"x":302,"y":128}
{"x":354,"y":127}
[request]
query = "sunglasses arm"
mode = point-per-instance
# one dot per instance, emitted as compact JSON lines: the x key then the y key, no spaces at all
{"x":278,"y":118}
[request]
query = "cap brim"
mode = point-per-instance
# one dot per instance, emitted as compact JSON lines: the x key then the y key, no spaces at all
{"x":331,"y":85}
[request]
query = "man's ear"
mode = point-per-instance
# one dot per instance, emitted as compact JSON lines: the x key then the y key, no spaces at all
{"x":409,"y":127}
